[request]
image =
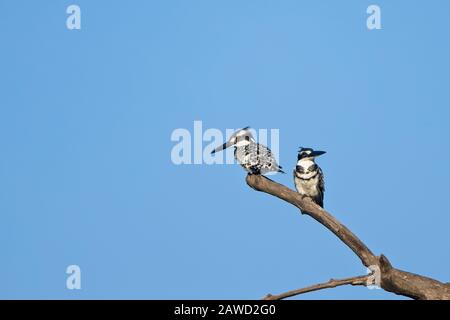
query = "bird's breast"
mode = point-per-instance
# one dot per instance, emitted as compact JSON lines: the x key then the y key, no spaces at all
{"x":307,"y":186}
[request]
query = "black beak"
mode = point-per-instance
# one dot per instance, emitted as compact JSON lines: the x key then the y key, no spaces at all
{"x":221,"y":147}
{"x":317,"y":153}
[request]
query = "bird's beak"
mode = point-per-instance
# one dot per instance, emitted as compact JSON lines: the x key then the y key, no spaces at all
{"x":221,"y":147}
{"x":317,"y":153}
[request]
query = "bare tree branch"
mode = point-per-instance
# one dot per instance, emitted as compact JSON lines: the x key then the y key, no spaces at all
{"x":393,"y":280}
{"x":355,"y":281}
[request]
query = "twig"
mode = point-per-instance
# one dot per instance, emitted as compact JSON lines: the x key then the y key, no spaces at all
{"x":354,"y":281}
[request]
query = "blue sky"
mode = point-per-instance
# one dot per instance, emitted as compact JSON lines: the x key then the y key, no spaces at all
{"x":86,"y":117}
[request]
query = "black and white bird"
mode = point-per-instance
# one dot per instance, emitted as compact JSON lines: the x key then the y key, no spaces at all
{"x":308,"y":177}
{"x":255,"y":158}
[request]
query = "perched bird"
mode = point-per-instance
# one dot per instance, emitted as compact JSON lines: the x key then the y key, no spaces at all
{"x":308,"y":176}
{"x":255,"y":158}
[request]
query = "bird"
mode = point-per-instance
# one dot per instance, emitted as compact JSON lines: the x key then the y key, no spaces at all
{"x":255,"y":158}
{"x":308,"y":176}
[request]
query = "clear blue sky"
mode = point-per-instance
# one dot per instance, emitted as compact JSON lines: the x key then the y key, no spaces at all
{"x":86,"y":117}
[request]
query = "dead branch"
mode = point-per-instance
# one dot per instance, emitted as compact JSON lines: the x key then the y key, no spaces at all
{"x":393,"y":280}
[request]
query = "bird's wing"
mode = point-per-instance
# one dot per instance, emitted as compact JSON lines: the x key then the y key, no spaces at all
{"x":321,"y":187}
{"x":265,"y":153}
{"x":321,"y":181}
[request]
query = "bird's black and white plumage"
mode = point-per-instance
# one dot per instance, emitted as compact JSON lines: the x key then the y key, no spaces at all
{"x":308,"y":177}
{"x":255,"y":158}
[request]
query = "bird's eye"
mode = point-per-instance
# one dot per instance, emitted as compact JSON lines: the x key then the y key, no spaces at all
{"x":247,"y":138}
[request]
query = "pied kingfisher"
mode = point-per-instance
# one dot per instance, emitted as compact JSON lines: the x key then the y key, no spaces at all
{"x":308,"y":176}
{"x":255,"y":158}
